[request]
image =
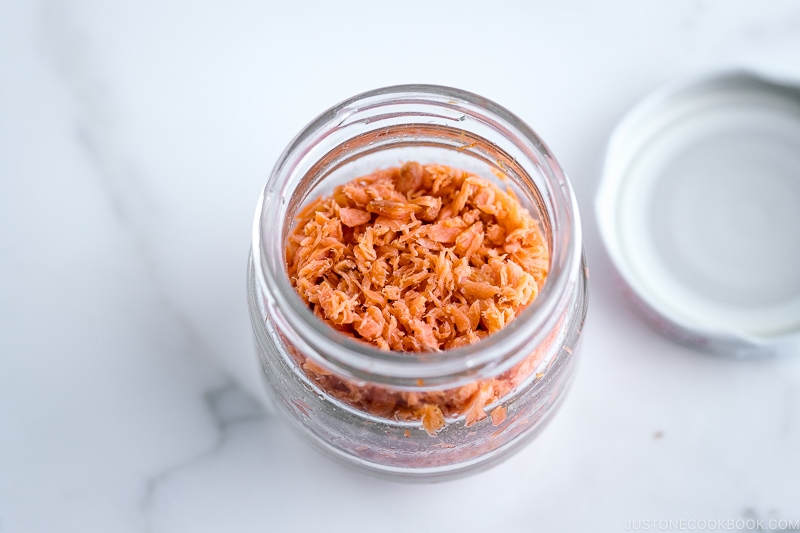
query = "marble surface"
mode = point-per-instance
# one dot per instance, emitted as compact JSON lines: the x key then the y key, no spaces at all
{"x":134,"y":140}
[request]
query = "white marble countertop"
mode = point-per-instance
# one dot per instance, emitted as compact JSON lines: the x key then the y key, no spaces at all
{"x":134,"y":141}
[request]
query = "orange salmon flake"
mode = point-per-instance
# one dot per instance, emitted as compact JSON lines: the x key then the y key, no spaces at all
{"x":417,"y":258}
{"x":412,"y":259}
{"x":498,"y":415}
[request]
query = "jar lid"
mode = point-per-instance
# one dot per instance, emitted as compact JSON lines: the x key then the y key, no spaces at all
{"x":699,"y":209}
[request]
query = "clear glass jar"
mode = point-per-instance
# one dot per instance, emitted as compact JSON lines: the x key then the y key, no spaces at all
{"x":533,"y":356}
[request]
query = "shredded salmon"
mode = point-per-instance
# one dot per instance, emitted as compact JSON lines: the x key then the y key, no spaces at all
{"x":412,"y":259}
{"x":499,"y":415}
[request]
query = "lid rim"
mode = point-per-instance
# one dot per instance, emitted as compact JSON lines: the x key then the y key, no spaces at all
{"x":621,"y":149}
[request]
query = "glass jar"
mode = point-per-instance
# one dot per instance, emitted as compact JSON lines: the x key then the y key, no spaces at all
{"x":308,"y":364}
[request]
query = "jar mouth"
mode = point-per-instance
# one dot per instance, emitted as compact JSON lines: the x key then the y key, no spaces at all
{"x":340,"y":145}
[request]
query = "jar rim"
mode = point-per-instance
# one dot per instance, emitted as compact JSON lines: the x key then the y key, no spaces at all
{"x":360,"y":360}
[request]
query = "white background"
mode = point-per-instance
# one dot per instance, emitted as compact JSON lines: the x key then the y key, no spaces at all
{"x":134,"y":141}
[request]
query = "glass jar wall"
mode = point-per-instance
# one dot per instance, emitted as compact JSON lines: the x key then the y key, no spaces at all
{"x":344,"y":395}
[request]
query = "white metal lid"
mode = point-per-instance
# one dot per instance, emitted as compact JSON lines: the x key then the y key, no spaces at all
{"x":699,"y":209}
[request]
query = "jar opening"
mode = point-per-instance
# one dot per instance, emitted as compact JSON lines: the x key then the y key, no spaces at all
{"x":431,"y":124}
